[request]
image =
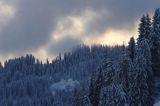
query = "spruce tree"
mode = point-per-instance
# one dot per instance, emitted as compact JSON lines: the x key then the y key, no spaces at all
{"x":113,"y":90}
{"x":141,"y":92}
{"x":131,"y":48}
{"x":77,"y":98}
{"x":122,"y":74}
{"x":103,"y":80}
{"x":155,"y":43}
{"x":95,"y":88}
{"x":148,"y":27}
{"x":108,"y":73}
{"x":1,"y":67}
{"x":144,"y":28}
{"x":123,"y":70}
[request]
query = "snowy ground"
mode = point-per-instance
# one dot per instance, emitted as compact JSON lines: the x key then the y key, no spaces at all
{"x":157,"y":104}
{"x":68,"y":85}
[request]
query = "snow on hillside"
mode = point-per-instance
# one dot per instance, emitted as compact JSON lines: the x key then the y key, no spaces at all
{"x":67,"y":85}
{"x":157,"y":104}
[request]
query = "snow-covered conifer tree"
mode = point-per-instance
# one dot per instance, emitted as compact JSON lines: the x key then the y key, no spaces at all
{"x":108,"y":73}
{"x":148,"y":27}
{"x":123,"y":73}
{"x":141,"y":89}
{"x":131,"y":49}
{"x":155,"y":43}
{"x":144,"y":28}
{"x":95,"y":88}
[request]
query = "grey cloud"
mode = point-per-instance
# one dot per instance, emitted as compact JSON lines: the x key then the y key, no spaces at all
{"x":65,"y":45}
{"x":29,"y":29}
{"x":36,"y":19}
{"x":124,"y":13}
{"x":33,"y":24}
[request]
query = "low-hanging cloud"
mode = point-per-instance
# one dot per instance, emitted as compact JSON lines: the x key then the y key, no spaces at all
{"x":35,"y":21}
{"x":64,"y":45}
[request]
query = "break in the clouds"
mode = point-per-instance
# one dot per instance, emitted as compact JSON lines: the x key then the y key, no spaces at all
{"x":57,"y":25}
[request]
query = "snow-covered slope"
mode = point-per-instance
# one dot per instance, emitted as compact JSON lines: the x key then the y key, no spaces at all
{"x":157,"y":104}
{"x":67,"y":85}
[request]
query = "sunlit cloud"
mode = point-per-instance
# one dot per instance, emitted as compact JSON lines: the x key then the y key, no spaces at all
{"x":4,"y":57}
{"x":42,"y":54}
{"x":73,"y":26}
{"x":113,"y":37}
{"x":6,"y":13}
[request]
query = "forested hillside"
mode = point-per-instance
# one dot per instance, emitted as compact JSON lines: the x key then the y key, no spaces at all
{"x":97,"y":75}
{"x":28,"y":81}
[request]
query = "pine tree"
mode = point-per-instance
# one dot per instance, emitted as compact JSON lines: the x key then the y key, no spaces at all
{"x":113,"y":91}
{"x":131,"y":48}
{"x":148,"y":27}
{"x":106,"y":94}
{"x":124,"y":69}
{"x":1,"y":67}
{"x":107,"y":72}
{"x":141,"y":92}
{"x":77,"y":98}
{"x":95,"y":88}
{"x":155,"y":43}
{"x":104,"y":78}
{"x":144,"y":28}
{"x":122,"y":74}
{"x":92,"y":90}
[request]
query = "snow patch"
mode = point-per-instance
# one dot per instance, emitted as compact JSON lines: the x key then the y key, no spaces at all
{"x":157,"y":104}
{"x":67,"y":85}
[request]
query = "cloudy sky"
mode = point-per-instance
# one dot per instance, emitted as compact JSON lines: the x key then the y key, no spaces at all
{"x":47,"y":27}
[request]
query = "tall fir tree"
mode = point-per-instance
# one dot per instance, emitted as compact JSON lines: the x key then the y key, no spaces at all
{"x":1,"y":66}
{"x":141,"y":92}
{"x":77,"y":98}
{"x":148,"y":27}
{"x":95,"y":88}
{"x":112,"y":92}
{"x":108,"y":74}
{"x":155,"y":43}
{"x":131,"y":48}
{"x":122,"y":74}
{"x":141,"y":29}
{"x":144,"y":27}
